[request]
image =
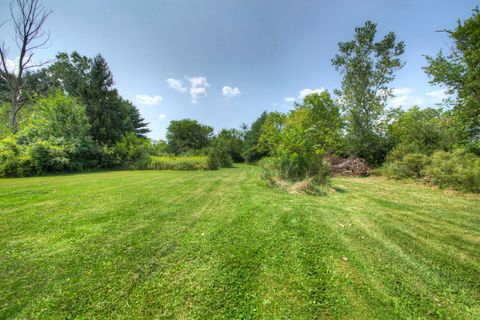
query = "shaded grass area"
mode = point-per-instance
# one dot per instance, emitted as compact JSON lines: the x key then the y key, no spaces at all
{"x":222,"y":245}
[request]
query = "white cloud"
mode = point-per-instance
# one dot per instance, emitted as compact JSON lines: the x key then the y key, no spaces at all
{"x":405,"y":97}
{"x":148,"y":100}
{"x":230,"y":92}
{"x":289,"y":99}
{"x":12,"y":65}
{"x":305,"y":92}
{"x":176,"y":84}
{"x":197,"y":86}
{"x":161,"y":117}
{"x":437,"y":96}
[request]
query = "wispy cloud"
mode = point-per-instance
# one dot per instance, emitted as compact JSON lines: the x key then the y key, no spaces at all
{"x":407,"y":97}
{"x":289,"y":99}
{"x":176,"y":84}
{"x":195,"y":86}
{"x":148,"y":100}
{"x":161,"y":116}
{"x":230,"y":92}
{"x":437,"y":96}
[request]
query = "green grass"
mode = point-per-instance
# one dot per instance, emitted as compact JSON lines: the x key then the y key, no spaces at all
{"x":178,"y":163}
{"x":220,"y":244}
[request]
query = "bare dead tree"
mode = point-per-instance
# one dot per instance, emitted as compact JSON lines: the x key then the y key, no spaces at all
{"x":28,"y":17}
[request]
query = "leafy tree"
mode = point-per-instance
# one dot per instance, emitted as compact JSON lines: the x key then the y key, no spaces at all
{"x":459,"y":71}
{"x":232,"y":142}
{"x":270,"y":133}
{"x":421,"y":131}
{"x":326,"y":121}
{"x":251,"y":136}
{"x":136,"y":122}
{"x":186,"y":135}
{"x":367,"y":68}
{"x":57,"y":116}
{"x":110,"y":116}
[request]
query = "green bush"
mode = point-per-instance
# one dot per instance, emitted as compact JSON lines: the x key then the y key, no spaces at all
{"x":294,"y":176}
{"x":412,"y":165}
{"x":49,"y":157}
{"x":296,"y":166}
{"x":178,"y":163}
{"x":270,"y":169}
{"x":219,"y":157}
{"x":10,"y":151}
{"x":132,"y":151}
{"x":459,"y":170}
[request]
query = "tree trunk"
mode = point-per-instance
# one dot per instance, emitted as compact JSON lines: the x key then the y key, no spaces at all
{"x":12,"y":115}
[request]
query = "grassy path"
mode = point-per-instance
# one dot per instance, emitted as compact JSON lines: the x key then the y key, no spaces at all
{"x":220,"y":245}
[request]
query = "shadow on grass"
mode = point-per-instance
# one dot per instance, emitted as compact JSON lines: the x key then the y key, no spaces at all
{"x":340,"y":189}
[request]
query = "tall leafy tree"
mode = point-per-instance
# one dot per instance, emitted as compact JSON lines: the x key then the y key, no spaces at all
{"x":186,"y":135}
{"x":459,"y":71}
{"x":232,"y":141}
{"x":270,"y":133}
{"x":110,"y":116}
{"x":367,"y":68}
{"x":251,"y":136}
{"x":136,"y":122}
{"x":107,"y":115}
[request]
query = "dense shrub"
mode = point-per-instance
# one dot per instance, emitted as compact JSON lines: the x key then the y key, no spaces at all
{"x":270,"y":169}
{"x":219,"y":157}
{"x":410,"y":165}
{"x":178,"y":163}
{"x":459,"y":170}
{"x":132,"y":151}
{"x":10,"y":158}
{"x":291,"y":175}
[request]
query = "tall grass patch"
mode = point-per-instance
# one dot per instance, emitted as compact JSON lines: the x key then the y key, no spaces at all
{"x":178,"y":163}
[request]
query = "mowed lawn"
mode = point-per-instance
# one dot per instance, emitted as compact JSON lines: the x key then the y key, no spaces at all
{"x":221,"y":245}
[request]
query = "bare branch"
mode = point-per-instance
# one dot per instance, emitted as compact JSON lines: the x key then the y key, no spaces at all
{"x":28,"y":18}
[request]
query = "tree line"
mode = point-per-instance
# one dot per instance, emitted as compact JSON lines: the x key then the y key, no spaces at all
{"x":69,"y":116}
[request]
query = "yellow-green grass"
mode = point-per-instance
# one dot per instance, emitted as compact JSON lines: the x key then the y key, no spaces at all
{"x":178,"y":163}
{"x":222,"y":245}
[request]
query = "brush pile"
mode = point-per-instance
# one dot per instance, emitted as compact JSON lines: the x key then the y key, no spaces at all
{"x":348,"y":167}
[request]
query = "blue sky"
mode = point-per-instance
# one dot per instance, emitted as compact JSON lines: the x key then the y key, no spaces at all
{"x":223,"y":62}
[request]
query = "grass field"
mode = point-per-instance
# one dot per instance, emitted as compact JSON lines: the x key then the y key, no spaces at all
{"x":220,"y":244}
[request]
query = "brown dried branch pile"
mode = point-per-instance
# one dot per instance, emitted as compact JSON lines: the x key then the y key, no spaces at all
{"x":348,"y":167}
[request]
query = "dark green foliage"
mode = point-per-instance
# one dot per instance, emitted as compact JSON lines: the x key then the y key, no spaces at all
{"x":219,"y":157}
{"x":252,"y":135}
{"x":91,"y":81}
{"x":108,"y":115}
{"x":232,"y":141}
{"x":187,"y":135}
{"x":367,"y":68}
{"x":459,"y":71}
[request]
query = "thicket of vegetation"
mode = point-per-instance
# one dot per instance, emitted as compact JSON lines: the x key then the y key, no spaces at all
{"x":68,"y":116}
